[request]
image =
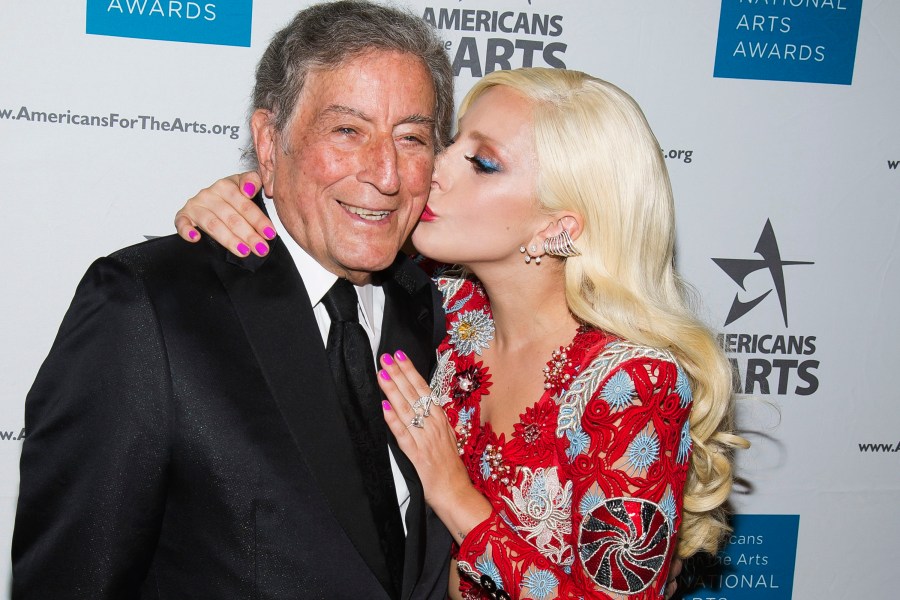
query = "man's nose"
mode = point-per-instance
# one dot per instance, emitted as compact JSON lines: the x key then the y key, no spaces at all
{"x":380,"y":165}
{"x":437,"y":179}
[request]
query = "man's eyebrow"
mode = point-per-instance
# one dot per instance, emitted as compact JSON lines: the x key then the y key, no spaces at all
{"x":340,"y":109}
{"x":418,"y":119}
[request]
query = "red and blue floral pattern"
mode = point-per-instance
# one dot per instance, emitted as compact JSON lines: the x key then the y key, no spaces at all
{"x":587,"y":489}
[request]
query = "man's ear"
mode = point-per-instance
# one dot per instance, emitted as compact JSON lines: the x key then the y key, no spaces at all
{"x":265,"y":140}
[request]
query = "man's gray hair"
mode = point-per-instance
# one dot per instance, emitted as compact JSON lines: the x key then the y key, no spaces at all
{"x":326,"y":35}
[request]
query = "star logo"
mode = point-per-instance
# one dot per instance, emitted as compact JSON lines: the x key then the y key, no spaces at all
{"x":739,"y":268}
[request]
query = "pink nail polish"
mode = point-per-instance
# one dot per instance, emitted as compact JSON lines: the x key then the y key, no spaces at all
{"x":387,"y":359}
{"x":269,"y":233}
{"x":249,"y":189}
{"x":385,"y":405}
{"x":400,"y":354}
{"x":192,"y":234}
{"x":243,"y":249}
{"x":262,"y":249}
{"x":384,"y":375}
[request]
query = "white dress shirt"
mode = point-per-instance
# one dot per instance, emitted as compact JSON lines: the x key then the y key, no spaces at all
{"x":318,"y":281}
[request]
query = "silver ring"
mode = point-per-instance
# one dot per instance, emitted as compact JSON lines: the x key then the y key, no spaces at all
{"x":423,"y":403}
{"x":417,"y":421}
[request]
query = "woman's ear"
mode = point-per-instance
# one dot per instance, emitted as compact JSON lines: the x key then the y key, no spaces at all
{"x":570,"y":222}
{"x":262,"y":128}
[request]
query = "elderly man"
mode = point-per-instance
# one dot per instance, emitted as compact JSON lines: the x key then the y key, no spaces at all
{"x":208,"y":427}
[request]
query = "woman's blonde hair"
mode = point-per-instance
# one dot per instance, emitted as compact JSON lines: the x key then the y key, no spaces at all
{"x":598,"y":157}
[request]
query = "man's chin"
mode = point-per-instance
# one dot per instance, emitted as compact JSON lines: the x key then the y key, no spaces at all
{"x":362,"y":269}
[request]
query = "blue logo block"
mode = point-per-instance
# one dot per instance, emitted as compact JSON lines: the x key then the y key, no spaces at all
{"x":202,"y":22}
{"x":756,"y":564}
{"x":788,"y":40}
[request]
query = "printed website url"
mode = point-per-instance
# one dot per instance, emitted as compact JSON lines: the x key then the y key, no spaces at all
{"x":872,"y":447}
{"x":682,"y":155}
{"x":12,"y":436}
{"x":117,"y":121}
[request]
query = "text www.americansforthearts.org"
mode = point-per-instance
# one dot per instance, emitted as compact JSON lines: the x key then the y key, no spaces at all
{"x":879,"y":447}
{"x":118,"y":121}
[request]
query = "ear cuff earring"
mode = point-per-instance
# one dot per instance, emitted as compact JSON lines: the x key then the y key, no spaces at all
{"x":561,"y":245}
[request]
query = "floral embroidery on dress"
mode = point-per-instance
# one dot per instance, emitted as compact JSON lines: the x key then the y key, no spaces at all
{"x":449,"y":287}
{"x":471,"y":332}
{"x":684,"y":442}
{"x":574,"y":401}
{"x":487,"y":567}
{"x":535,"y":430}
{"x":540,"y":583}
{"x":643,"y":451}
{"x":470,"y":380}
{"x":669,"y":508}
{"x":542,"y":505}
{"x":591,"y":500}
{"x":612,"y":434}
{"x":579,"y":443}
{"x":618,"y":391}
{"x":683,"y":387}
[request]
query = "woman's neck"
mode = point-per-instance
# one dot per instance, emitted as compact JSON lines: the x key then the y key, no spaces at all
{"x":528,"y":304}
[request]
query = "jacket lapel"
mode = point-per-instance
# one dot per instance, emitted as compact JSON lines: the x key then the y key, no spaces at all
{"x":409,"y":325}
{"x":277,"y":316}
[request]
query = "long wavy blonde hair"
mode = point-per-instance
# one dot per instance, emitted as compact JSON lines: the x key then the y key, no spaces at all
{"x":598,"y":157}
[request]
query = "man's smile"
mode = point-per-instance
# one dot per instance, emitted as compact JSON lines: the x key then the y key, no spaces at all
{"x":368,"y":215}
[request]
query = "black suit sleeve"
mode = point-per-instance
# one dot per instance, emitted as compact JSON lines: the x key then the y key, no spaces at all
{"x":93,"y":467}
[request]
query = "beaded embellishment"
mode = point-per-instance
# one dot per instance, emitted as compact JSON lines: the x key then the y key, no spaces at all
{"x":555,"y":373}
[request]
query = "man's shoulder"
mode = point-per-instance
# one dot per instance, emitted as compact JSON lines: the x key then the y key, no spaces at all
{"x":163,"y":263}
{"x":168,"y":257}
{"x":160,"y":250}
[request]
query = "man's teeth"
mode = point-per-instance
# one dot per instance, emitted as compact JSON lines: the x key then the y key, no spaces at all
{"x":369,"y":215}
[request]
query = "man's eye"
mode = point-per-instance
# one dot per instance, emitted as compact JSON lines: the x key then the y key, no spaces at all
{"x":345,"y":130}
{"x":482,"y":164}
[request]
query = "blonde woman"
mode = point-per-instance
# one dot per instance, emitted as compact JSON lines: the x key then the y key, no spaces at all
{"x":577,"y":433}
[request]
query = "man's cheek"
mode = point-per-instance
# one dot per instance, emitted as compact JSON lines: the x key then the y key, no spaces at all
{"x":418,"y":175}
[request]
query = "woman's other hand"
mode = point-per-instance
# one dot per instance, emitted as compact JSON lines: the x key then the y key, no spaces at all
{"x":430,"y":444}
{"x":226,"y":212}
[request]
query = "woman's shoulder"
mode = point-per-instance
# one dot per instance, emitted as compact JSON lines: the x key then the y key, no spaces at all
{"x":616,"y":370}
{"x":615,"y":352}
{"x":461,"y":292}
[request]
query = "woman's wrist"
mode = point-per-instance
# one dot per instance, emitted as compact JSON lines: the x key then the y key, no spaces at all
{"x":461,"y":512}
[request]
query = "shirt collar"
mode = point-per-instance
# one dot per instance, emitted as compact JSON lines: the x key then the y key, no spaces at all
{"x":316,"y":278}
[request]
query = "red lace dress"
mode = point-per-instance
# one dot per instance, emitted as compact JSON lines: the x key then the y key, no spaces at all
{"x":586,"y":493}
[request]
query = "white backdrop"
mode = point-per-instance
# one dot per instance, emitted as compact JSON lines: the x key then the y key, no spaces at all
{"x":817,"y":161}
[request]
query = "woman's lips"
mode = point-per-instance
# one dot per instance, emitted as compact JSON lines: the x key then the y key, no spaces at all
{"x":427,"y":215}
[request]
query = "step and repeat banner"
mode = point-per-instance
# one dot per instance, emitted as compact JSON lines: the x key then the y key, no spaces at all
{"x":779,"y":122}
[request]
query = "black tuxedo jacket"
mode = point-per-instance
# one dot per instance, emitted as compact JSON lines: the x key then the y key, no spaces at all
{"x":184,"y":439}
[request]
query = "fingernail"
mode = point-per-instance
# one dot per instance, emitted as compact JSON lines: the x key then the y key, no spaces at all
{"x":385,"y":405}
{"x":400,"y":354}
{"x":243,"y":249}
{"x":269,"y":233}
{"x":387,"y":359}
{"x":384,"y":375}
{"x":249,"y":189}
{"x":262,"y":249}
{"x":192,"y":234}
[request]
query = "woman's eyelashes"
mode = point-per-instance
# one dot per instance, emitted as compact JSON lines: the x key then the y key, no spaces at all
{"x":482,"y":164}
